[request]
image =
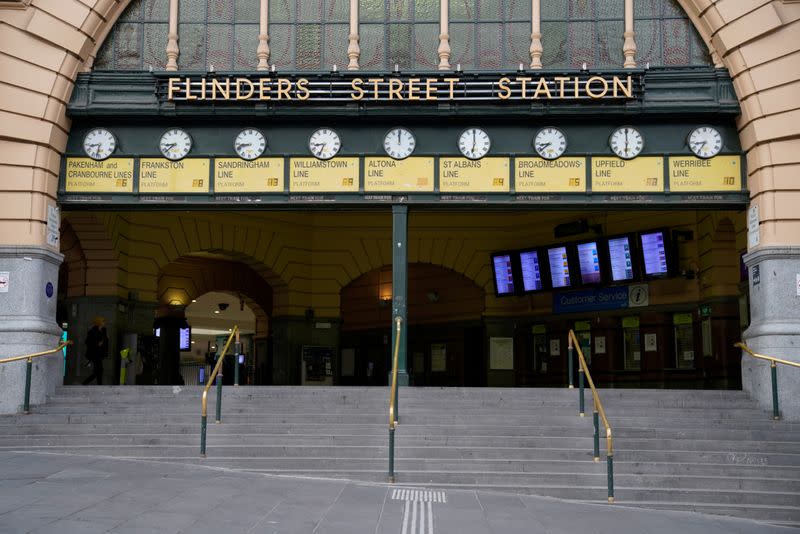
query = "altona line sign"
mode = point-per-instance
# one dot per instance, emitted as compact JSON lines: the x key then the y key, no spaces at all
{"x":396,"y":88}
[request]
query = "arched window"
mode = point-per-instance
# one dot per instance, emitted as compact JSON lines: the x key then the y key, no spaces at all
{"x":490,"y":34}
{"x":139,"y":38}
{"x":399,"y":32}
{"x":308,"y":34}
{"x":665,"y":36}
{"x":583,"y":31}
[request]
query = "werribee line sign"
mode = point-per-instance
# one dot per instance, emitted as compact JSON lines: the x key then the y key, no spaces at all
{"x":517,"y":87}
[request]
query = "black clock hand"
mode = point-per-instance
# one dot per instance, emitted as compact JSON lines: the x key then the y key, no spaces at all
{"x":398,"y":137}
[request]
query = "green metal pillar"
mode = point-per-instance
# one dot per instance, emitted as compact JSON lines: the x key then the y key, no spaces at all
{"x":400,"y":287}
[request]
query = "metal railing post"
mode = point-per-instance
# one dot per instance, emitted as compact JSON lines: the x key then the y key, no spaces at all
{"x":569,"y":364}
{"x":776,"y":413}
{"x":581,"y":401}
{"x":219,"y":398}
{"x":610,"y":472}
{"x":596,"y":418}
{"x":391,"y":455}
{"x":203,"y":426}
{"x":26,"y":406}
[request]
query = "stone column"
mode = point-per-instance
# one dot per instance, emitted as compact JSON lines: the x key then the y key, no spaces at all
{"x":536,"y":35}
{"x":172,"y":38}
{"x":444,"y":35}
{"x":774,"y":330}
{"x":28,"y":323}
{"x":263,"y":36}
{"x":353,"y":49}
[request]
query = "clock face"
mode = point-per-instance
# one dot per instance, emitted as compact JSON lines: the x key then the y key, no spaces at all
{"x":705,"y":141}
{"x":175,"y":144}
{"x":99,"y":143}
{"x":399,"y":143}
{"x":324,"y":143}
{"x":626,"y":142}
{"x":550,"y":143}
{"x":474,"y":143}
{"x":250,"y":144}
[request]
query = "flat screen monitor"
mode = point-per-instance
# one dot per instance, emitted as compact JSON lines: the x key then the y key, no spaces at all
{"x":620,"y":255}
{"x":589,"y":263}
{"x":531,"y":267}
{"x":185,"y":337}
{"x":655,"y":253}
{"x":503,"y":267}
{"x":559,"y":267}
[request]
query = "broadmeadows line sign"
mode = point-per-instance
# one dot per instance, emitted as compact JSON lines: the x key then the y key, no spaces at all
{"x":397,"y":88}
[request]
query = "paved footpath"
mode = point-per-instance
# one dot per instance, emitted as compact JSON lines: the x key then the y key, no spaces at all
{"x":56,"y":493}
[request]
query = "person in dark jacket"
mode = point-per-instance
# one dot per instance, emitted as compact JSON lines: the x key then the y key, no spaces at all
{"x":96,"y":349}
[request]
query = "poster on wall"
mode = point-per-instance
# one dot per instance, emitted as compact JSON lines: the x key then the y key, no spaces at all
{"x":501,"y":353}
{"x":600,"y":345}
{"x":650,"y":343}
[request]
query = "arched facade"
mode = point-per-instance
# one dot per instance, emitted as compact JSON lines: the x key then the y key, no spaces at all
{"x":45,"y":45}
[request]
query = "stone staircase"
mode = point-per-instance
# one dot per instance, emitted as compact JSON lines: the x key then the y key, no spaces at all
{"x":707,"y":451}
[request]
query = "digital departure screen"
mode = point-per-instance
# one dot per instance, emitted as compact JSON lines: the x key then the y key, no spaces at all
{"x":559,"y":267}
{"x":531,"y":271}
{"x":654,"y":252}
{"x":185,"y":336}
{"x":619,"y":252}
{"x":589,"y":262}
{"x":503,"y":274}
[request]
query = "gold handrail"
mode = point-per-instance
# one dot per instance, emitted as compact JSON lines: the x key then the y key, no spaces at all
{"x":771,"y":359}
{"x":217,"y":367}
{"x":37,"y":354}
{"x":598,"y":405}
{"x":393,"y":392}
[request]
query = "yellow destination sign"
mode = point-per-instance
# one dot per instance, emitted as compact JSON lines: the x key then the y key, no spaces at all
{"x":85,"y":175}
{"x":387,"y":174}
{"x":539,"y":175}
{"x":158,"y":175}
{"x":311,"y":175}
{"x":262,"y":175}
{"x":638,"y":175}
{"x":462,"y":175}
{"x":722,"y":173}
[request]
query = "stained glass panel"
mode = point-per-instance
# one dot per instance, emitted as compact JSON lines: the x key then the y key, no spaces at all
{"x":489,"y":46}
{"x":281,"y":11}
{"x":647,"y":8}
{"x":554,"y":10}
{"x":247,"y":11}
{"x":490,"y":9}
{"x":400,"y":50}
{"x":371,"y":11}
{"x":582,"y":9}
{"x":220,"y":11}
{"x":673,"y":9}
{"x":336,"y":45}
{"x":281,"y":46}
{"x":309,"y":47}
{"x":399,"y":10}
{"x":462,"y":45}
{"x":192,"y":46}
{"x":554,"y":45}
{"x":675,"y":42}
{"x":373,"y":53}
{"x":129,"y":46}
{"x":191,"y":11}
{"x":517,"y":44}
{"x":133,"y":12}
{"x":309,"y":10}
{"x":219,"y":39}
{"x":426,"y":10}
{"x":105,"y":56}
{"x":155,"y":45}
{"x":609,"y":44}
{"x":610,"y":9}
{"x":699,"y":50}
{"x":462,"y":10}
{"x":156,"y":10}
{"x":582,"y":42}
{"x":648,"y":45}
{"x":336,"y":11}
{"x":245,"y":45}
{"x":426,"y":43}
{"x":518,"y":10}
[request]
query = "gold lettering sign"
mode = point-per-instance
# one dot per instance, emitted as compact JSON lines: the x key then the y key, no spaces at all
{"x":539,"y":175}
{"x":291,"y":89}
{"x":262,"y":175}
{"x":157,"y":175}
{"x":462,"y":175}
{"x":638,"y":175}
{"x":85,"y":175}
{"x":311,"y":175}
{"x":721,"y":173}
{"x":387,"y":174}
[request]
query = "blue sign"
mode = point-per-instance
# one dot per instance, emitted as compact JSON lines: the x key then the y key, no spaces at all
{"x":606,"y":298}
{"x":48,"y":289}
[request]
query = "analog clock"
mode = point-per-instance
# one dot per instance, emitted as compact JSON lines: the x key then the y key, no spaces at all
{"x":626,"y":142}
{"x":705,"y":141}
{"x":399,"y":143}
{"x":175,"y":144}
{"x":324,"y":143}
{"x":550,"y":143}
{"x":250,"y":144}
{"x":474,"y":143}
{"x":99,"y":143}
